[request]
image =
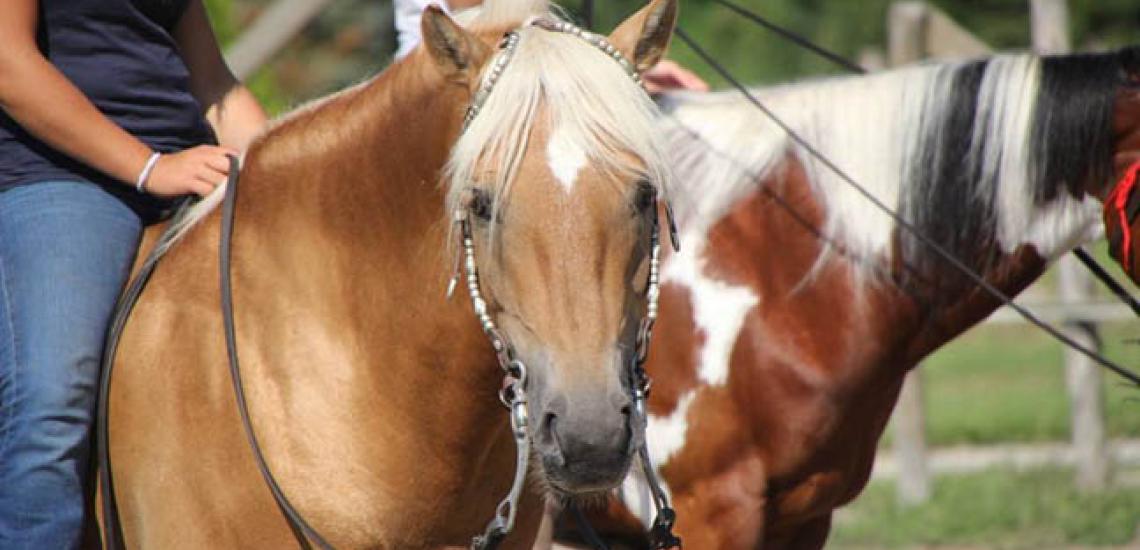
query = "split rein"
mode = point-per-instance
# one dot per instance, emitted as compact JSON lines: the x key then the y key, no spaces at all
{"x":513,"y":395}
{"x":515,"y":375}
{"x":938,"y":249}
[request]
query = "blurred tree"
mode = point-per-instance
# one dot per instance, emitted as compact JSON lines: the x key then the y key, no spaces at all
{"x":353,"y":38}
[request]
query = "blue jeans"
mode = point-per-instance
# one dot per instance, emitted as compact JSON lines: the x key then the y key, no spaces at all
{"x":66,"y":249}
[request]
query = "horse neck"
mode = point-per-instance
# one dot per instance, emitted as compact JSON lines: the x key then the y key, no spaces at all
{"x":371,"y":152}
{"x":345,"y":200}
{"x":341,"y":239}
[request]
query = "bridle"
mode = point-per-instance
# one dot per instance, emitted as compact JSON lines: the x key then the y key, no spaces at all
{"x":1123,"y":205}
{"x":513,"y":394}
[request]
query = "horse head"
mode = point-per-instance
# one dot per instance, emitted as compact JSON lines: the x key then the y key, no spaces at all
{"x":555,"y":181}
{"x":1121,"y":202}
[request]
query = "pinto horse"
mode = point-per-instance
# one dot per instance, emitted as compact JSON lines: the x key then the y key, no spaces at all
{"x":796,"y":308}
{"x":376,"y":400}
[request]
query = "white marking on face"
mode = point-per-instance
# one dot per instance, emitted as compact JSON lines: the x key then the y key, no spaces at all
{"x":566,"y":158}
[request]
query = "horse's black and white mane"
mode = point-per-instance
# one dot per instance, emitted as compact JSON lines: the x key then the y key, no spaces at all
{"x":983,"y":156}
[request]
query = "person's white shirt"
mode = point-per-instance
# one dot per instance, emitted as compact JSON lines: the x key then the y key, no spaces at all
{"x":408,"y":13}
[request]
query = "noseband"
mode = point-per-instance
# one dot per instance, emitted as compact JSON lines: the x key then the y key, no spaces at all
{"x":513,"y":395}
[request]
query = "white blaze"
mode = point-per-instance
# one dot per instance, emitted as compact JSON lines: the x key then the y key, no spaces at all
{"x":566,"y":158}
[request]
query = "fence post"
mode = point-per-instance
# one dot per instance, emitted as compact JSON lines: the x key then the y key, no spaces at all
{"x":913,"y":486}
{"x":1050,"y":20}
{"x":907,"y":24}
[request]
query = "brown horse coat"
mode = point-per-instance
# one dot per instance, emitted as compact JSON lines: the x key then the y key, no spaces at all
{"x":375,"y":399}
{"x":797,"y":309}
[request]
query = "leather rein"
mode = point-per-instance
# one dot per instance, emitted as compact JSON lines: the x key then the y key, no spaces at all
{"x":513,"y":394}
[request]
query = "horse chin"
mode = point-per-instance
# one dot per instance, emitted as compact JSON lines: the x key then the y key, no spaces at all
{"x":581,"y":485}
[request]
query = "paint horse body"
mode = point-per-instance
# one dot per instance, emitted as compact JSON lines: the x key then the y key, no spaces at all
{"x":375,"y":399}
{"x":795,"y":308}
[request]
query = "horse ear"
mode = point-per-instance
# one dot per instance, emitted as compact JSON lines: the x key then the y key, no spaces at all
{"x":644,"y":37}
{"x":458,"y":53}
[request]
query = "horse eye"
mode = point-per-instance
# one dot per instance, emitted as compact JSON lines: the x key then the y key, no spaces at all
{"x":646,"y":197}
{"x":480,"y":204}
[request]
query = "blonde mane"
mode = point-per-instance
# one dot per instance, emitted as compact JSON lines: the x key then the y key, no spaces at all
{"x":579,"y":90}
{"x":587,"y":95}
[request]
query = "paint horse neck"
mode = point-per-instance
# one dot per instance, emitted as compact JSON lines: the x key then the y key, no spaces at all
{"x":797,"y":307}
{"x":340,"y":240}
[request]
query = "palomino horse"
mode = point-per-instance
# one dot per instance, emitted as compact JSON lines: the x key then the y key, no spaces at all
{"x":795,"y":308}
{"x":376,"y":401}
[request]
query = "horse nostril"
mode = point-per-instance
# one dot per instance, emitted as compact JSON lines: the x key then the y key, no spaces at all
{"x":546,"y":428}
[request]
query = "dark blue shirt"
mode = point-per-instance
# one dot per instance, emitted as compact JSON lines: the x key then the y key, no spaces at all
{"x":119,"y":53}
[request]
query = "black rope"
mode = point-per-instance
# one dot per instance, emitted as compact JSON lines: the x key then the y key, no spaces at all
{"x":1108,"y":280}
{"x":947,"y":256}
{"x":798,"y":39}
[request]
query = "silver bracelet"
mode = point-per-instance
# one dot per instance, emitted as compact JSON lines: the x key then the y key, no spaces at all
{"x":140,"y":184}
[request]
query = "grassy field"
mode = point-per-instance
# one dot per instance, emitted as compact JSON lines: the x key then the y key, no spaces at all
{"x":994,"y":385}
{"x":996,"y":509}
{"x":1007,"y":383}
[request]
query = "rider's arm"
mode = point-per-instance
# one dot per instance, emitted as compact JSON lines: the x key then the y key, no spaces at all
{"x":231,"y":109}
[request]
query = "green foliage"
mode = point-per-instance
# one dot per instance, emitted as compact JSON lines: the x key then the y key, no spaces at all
{"x":352,"y":39}
{"x":994,"y":509}
{"x":263,"y":84}
{"x":999,"y":384}
{"x":1007,"y":383}
{"x":221,"y":17}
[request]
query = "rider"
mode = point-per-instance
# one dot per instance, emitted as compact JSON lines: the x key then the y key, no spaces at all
{"x":666,"y":75}
{"x":108,"y":108}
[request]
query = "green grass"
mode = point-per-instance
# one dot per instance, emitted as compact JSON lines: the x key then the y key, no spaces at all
{"x":1007,"y":384}
{"x":999,"y":384}
{"x":995,"y":509}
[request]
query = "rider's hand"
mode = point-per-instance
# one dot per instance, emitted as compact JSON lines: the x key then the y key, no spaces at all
{"x":668,"y":75}
{"x":198,"y":170}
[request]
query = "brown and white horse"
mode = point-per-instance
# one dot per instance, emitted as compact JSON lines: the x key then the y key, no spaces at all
{"x":375,"y":399}
{"x":796,"y":307}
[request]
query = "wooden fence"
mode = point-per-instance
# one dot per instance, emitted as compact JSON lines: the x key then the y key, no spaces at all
{"x":917,"y":31}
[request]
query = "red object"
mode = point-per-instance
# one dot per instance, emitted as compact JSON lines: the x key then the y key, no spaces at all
{"x":1118,"y":201}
